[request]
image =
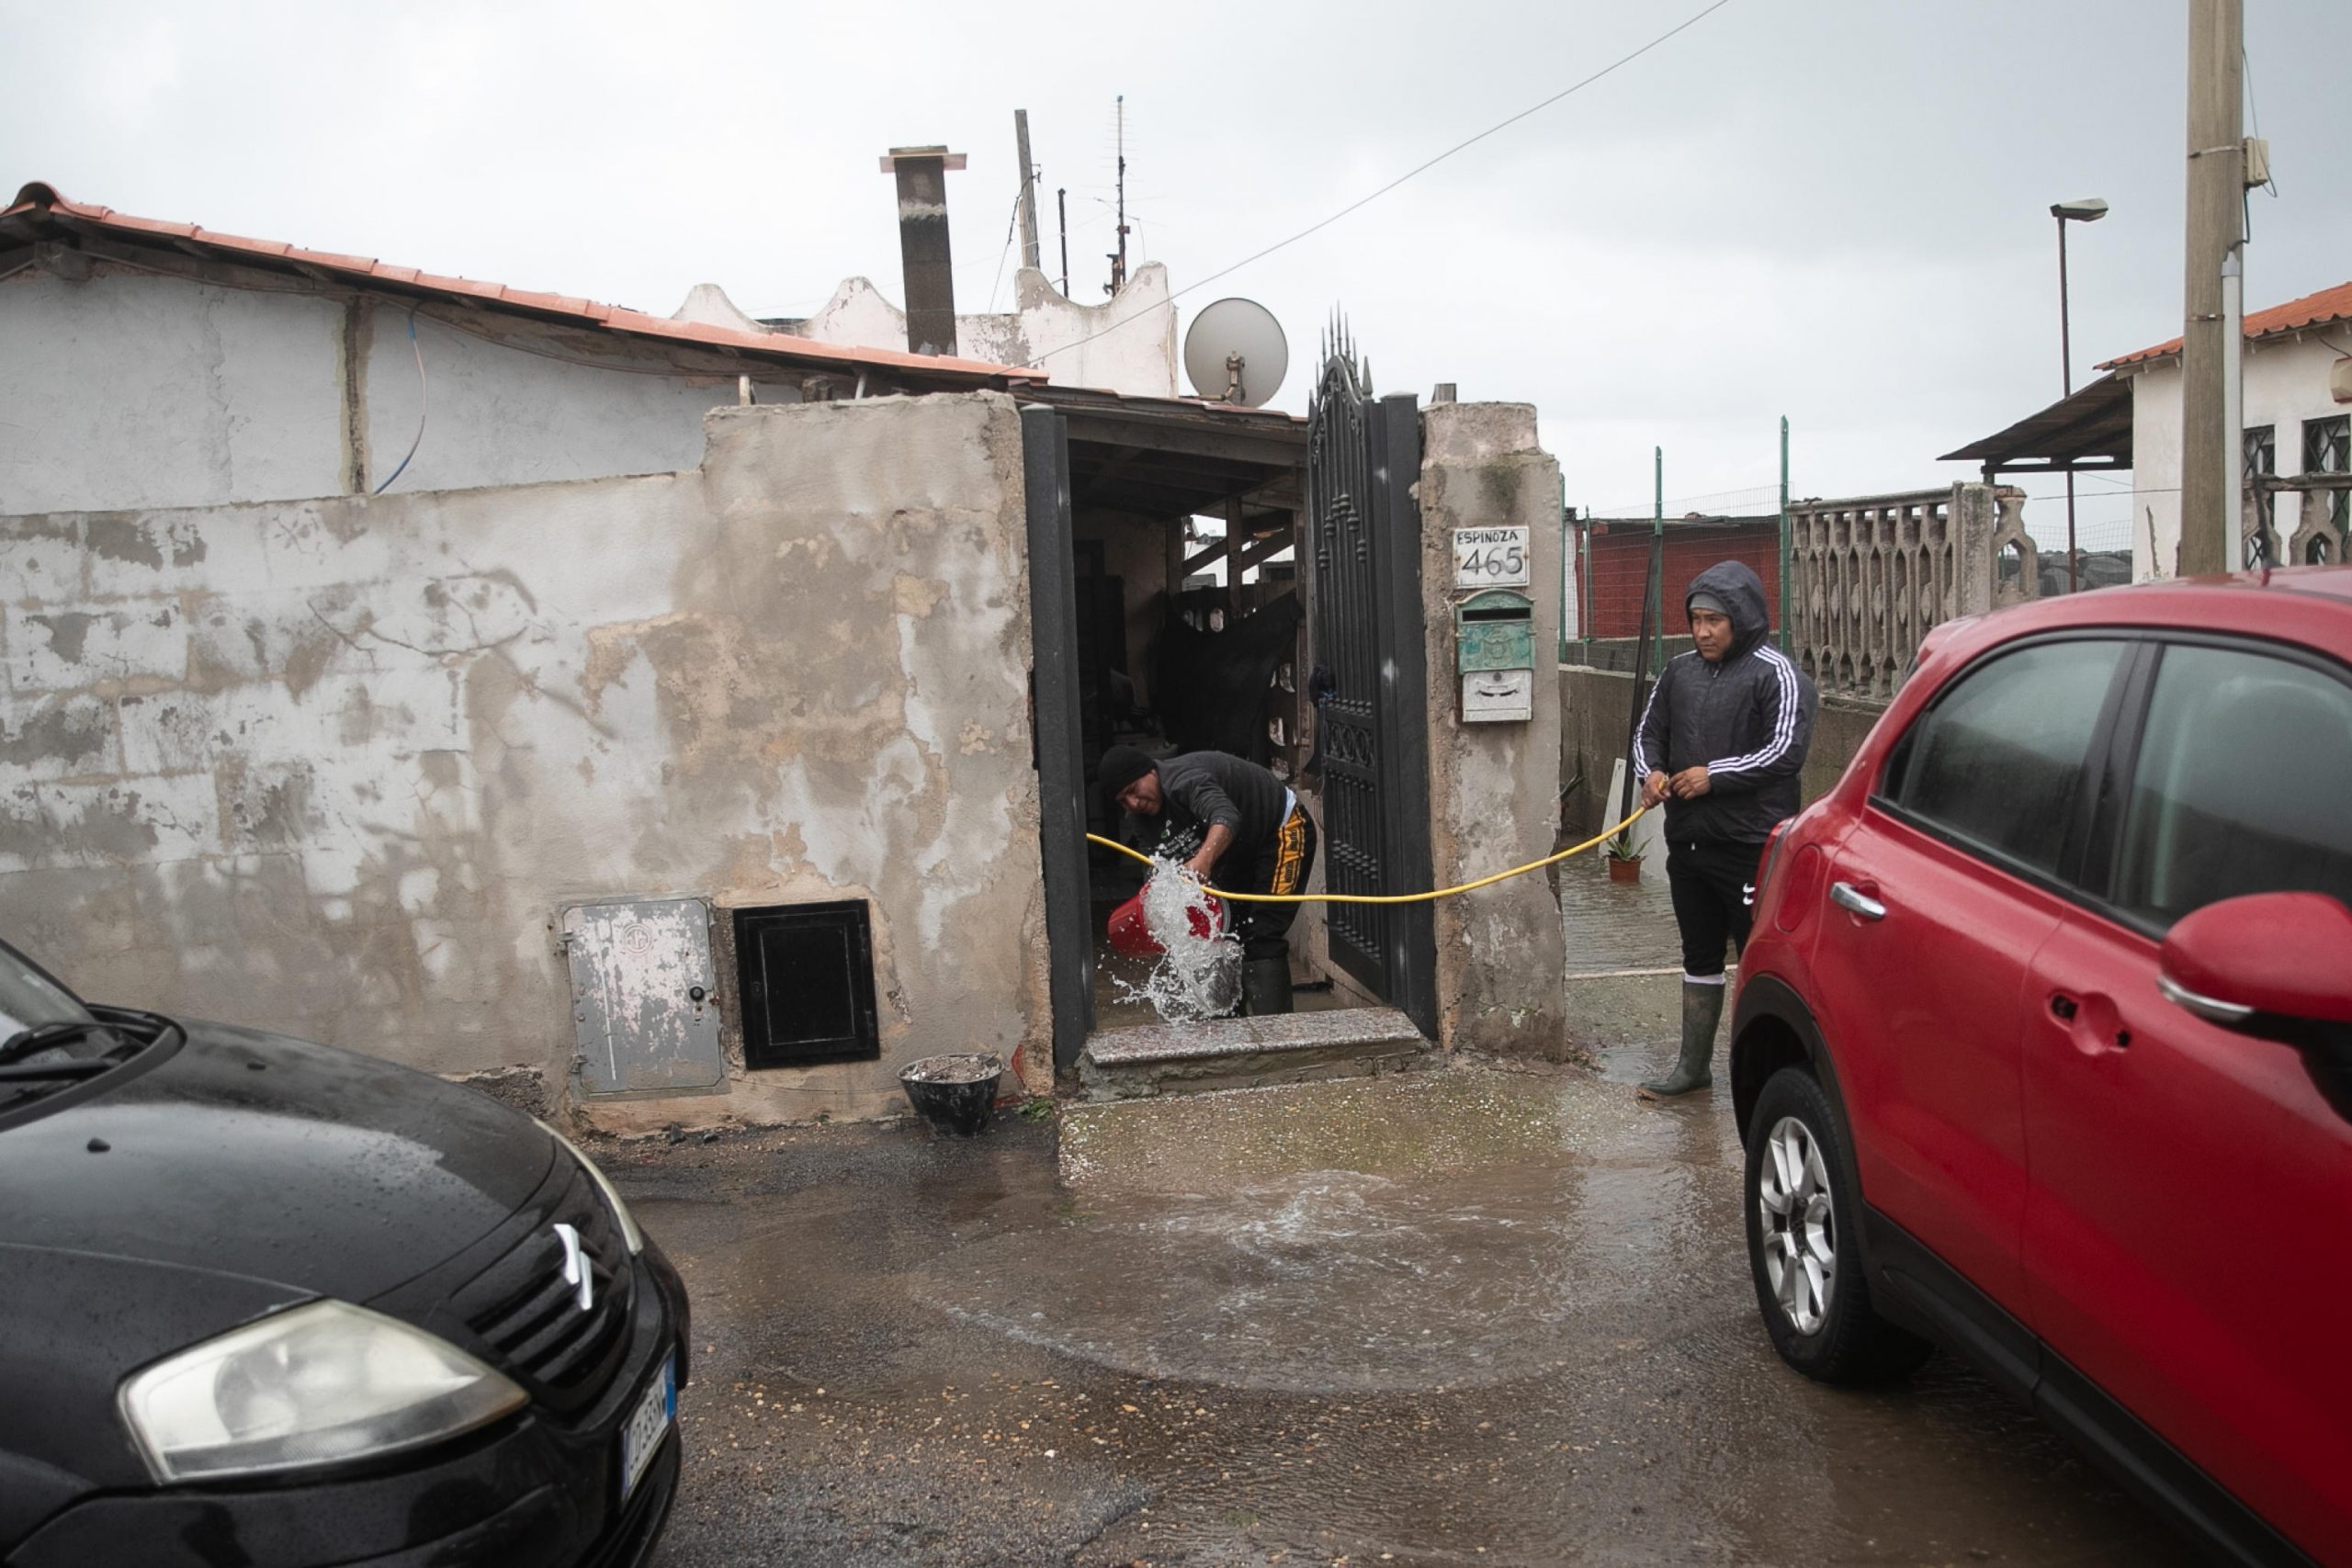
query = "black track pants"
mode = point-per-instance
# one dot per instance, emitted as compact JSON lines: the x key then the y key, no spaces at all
{"x":1711,"y":884}
{"x":1281,"y":864}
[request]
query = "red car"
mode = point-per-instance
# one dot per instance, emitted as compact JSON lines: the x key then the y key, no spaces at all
{"x":2042,"y":1048}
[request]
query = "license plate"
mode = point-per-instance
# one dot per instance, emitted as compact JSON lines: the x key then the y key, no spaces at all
{"x":656,"y":1408}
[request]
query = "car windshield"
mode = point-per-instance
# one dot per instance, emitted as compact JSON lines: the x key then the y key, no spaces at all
{"x":30,"y":999}
{"x":47,"y":1039}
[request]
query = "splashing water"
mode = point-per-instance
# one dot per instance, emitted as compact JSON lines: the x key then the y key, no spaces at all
{"x":1196,"y":977}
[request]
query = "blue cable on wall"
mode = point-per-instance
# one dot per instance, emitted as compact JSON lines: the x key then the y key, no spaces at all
{"x":421,"y":406}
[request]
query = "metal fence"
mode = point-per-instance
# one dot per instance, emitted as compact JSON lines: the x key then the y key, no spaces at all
{"x":1868,"y":577}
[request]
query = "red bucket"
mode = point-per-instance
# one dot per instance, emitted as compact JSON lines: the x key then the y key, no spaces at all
{"x":1131,"y":934}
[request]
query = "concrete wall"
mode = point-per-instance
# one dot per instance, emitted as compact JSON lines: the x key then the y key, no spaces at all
{"x":333,"y":767}
{"x":1596,"y":706}
{"x":1127,"y":343}
{"x":2286,"y":382}
{"x":130,"y":390}
{"x":1493,"y":787}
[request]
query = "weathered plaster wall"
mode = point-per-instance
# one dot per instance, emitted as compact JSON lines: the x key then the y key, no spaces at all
{"x":333,"y":767}
{"x":2285,"y":384}
{"x":511,"y":402}
{"x":128,"y":389}
{"x":1493,"y":787}
{"x":1127,"y":343}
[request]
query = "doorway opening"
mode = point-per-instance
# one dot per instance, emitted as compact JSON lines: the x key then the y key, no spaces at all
{"x":1191,"y":631}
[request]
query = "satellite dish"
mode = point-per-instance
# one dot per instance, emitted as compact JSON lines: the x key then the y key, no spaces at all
{"x":1235,"y":354}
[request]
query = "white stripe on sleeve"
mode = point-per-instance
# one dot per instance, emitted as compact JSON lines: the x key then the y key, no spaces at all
{"x":1784,"y":723}
{"x":1640,"y":761}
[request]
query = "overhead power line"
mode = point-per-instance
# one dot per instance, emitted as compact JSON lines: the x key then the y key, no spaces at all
{"x":1419,"y":169}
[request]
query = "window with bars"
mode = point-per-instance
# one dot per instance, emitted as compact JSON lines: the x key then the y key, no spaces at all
{"x":2261,"y":448}
{"x":2327,"y":450}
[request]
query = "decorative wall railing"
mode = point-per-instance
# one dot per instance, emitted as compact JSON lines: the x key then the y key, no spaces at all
{"x":1871,"y":576}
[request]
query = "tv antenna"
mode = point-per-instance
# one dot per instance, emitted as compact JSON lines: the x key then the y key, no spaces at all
{"x":1235,"y":353}
{"x":1119,"y":256}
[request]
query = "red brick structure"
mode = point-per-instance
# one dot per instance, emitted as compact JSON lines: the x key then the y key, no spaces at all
{"x":1616,"y":552}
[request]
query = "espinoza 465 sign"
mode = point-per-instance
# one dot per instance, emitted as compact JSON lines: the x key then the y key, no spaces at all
{"x":1492,"y":557}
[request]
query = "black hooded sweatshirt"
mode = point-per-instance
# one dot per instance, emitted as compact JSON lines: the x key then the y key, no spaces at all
{"x":1749,"y":720}
{"x":1201,"y":789}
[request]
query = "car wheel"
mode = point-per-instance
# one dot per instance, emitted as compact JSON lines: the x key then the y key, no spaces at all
{"x":1802,"y":1214}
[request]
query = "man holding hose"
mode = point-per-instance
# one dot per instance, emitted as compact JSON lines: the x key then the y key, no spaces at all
{"x":1235,"y":825}
{"x":1721,"y":744}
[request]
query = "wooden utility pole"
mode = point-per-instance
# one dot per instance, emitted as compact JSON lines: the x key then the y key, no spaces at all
{"x":2210,"y":457}
{"x":1028,"y":192}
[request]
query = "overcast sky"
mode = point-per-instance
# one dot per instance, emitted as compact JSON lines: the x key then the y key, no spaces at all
{"x":1831,"y":209}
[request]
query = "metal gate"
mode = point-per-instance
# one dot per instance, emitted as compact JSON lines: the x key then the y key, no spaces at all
{"x":1363,"y":457}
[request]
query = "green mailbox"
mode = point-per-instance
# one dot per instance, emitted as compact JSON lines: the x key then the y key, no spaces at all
{"x":1494,"y":652}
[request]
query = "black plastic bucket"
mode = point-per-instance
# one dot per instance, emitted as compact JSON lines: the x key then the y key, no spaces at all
{"x":956,"y":1093}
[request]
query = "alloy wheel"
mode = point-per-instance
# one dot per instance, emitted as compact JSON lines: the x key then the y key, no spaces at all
{"x":1800,"y":1225}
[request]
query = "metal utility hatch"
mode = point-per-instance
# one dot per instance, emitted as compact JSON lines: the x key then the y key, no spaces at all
{"x":643,"y":997}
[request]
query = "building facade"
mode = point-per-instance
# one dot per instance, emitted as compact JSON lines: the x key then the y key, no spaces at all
{"x":2296,"y":420}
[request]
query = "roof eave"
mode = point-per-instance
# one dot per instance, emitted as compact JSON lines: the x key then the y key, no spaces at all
{"x":43,"y":202}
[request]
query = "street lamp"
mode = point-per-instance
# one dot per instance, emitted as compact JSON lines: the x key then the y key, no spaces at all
{"x":2090,"y":209}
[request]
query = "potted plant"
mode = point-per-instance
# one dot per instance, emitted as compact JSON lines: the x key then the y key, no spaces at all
{"x":1624,"y":860}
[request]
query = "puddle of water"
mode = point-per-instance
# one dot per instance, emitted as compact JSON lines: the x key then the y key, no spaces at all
{"x":1421,"y":1315}
{"x":1329,"y":1279}
{"x":1326,"y":1279}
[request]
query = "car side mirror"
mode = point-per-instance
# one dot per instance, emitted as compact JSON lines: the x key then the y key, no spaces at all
{"x":2273,"y":964}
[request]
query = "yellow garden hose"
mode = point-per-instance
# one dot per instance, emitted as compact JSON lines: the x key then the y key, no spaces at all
{"x":1388,"y":897}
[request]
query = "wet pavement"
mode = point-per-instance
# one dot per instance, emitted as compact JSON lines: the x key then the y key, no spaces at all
{"x":1482,"y":1315}
{"x":1613,"y":927}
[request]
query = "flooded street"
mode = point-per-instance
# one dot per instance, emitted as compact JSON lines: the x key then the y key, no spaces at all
{"x":1474,"y":1316}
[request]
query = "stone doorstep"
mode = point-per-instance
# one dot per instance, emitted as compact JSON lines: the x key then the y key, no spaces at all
{"x":1249,"y":1053}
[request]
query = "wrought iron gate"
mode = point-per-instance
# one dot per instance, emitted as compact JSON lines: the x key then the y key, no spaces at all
{"x":1363,"y":457}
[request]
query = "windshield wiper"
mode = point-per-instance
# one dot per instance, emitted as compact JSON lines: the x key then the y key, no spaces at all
{"x":32,"y":1072}
{"x":42,"y":1036}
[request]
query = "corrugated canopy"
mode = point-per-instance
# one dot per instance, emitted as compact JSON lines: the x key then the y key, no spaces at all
{"x":2091,"y":429}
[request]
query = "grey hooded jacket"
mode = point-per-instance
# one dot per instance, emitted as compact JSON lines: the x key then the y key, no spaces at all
{"x":1749,"y":720}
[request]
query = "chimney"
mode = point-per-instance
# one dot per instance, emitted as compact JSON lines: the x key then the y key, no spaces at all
{"x":923,"y":244}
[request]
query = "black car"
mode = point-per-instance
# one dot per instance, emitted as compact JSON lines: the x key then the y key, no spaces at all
{"x":264,"y":1302}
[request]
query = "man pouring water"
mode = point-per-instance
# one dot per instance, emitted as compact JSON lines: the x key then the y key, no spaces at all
{"x":1235,"y":825}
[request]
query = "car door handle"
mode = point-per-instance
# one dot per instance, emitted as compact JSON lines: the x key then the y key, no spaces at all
{"x":1846,"y":895}
{"x":2091,"y":1020}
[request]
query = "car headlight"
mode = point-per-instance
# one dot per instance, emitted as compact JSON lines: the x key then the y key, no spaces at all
{"x":621,"y":1217}
{"x":314,"y":1384}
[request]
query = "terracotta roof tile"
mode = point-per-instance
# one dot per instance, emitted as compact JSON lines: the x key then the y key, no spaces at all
{"x":40,"y":197}
{"x":2311,"y":310}
{"x":341,"y":264}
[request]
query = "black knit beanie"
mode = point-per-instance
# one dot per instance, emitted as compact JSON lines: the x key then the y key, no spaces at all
{"x":1120,"y":766}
